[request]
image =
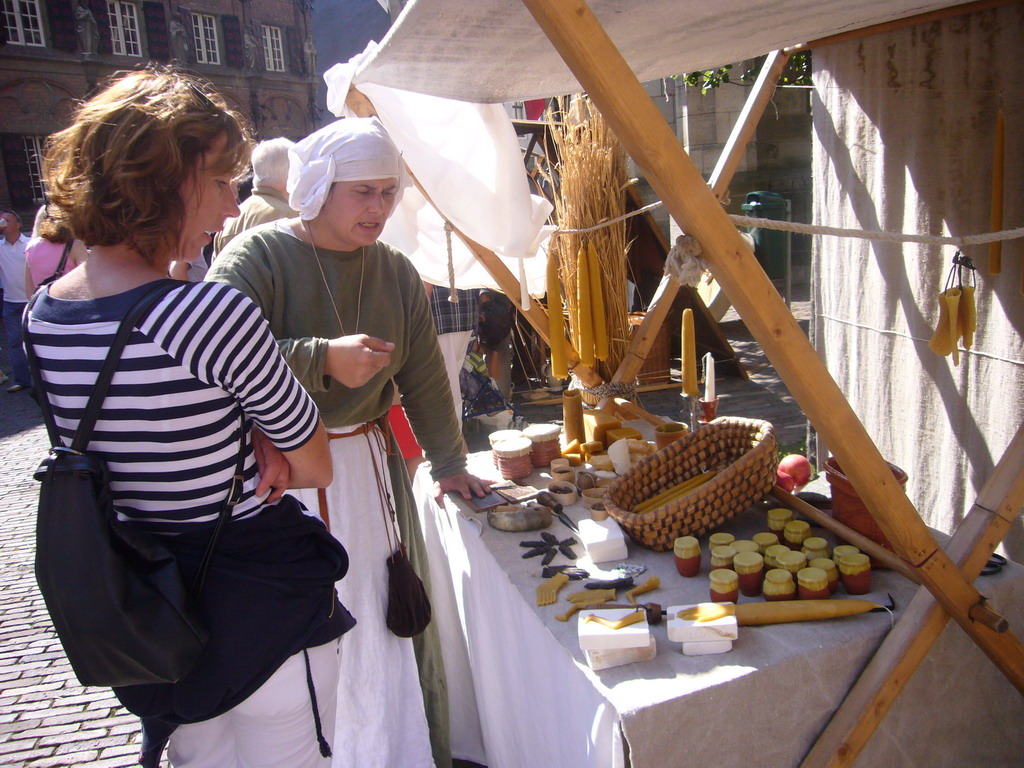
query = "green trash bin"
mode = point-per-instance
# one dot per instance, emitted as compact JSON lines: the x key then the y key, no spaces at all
{"x":771,"y":246}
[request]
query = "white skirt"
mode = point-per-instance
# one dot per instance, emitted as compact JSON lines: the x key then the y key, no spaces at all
{"x":380,"y":721}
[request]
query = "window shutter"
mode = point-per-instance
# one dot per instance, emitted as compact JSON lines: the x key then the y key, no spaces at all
{"x":156,"y":31}
{"x":99,"y":12}
{"x":62,"y":25}
{"x":294,"y":55}
{"x":19,"y":183}
{"x":233,"y":55}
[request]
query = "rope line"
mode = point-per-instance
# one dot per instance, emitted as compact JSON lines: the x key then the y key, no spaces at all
{"x":816,"y":229}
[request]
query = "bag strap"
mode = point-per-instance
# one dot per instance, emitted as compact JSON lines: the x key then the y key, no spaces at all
{"x":63,"y":258}
{"x":38,"y":391}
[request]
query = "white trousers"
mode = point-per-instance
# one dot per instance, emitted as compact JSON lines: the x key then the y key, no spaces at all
{"x":274,"y":727}
{"x":381,"y":721}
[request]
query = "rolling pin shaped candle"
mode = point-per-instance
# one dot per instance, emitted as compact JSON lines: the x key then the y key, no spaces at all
{"x":756,"y":614}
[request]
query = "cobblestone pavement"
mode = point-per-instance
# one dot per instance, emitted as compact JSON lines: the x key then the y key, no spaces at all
{"x":48,"y":720}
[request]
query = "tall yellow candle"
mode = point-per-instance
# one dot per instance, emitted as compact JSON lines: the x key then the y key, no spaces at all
{"x":688,"y":356}
{"x":597,"y":305}
{"x":556,"y":330}
{"x":586,"y":318}
{"x":995,"y":250}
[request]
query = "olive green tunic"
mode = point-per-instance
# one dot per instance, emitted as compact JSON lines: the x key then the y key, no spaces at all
{"x":377,"y":291}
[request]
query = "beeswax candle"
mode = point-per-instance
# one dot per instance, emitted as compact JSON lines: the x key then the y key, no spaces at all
{"x":688,"y":356}
{"x":599,"y":323}
{"x":583,"y":308}
{"x":556,"y":332}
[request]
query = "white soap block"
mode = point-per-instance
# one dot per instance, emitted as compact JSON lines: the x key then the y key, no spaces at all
{"x":594,"y":636}
{"x":603,"y":540}
{"x":706,"y":649}
{"x":598,"y":660}
{"x":696,"y":631}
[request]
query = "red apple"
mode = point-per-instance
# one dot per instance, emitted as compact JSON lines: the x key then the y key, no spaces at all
{"x":797,"y":467}
{"x":785,"y":481}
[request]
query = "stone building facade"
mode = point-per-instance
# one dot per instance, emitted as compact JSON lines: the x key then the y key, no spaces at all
{"x":258,"y":53}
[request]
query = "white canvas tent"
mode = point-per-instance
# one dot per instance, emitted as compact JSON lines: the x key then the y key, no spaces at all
{"x":484,"y":50}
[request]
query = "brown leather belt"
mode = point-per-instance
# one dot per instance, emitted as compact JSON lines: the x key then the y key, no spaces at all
{"x":362,"y":429}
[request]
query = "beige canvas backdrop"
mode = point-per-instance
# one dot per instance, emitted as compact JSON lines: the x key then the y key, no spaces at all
{"x":904,"y":125}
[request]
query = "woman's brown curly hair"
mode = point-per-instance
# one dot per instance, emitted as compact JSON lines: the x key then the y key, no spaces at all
{"x":114,"y":175}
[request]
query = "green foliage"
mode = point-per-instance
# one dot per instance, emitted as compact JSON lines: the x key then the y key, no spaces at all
{"x":797,"y":72}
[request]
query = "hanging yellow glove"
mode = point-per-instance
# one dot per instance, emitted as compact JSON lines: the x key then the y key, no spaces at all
{"x":943,"y":341}
{"x":967,"y":316}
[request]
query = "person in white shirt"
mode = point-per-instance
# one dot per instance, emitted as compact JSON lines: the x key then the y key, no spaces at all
{"x":12,"y":280}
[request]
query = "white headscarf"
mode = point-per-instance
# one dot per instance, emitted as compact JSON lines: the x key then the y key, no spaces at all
{"x":352,"y":149}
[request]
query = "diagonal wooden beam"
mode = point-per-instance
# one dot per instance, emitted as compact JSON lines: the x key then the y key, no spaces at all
{"x":535,"y":314}
{"x":595,"y":61}
{"x":732,"y":154}
{"x":989,"y":520}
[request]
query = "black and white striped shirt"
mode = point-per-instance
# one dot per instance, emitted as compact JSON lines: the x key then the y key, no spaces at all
{"x":169,"y":425}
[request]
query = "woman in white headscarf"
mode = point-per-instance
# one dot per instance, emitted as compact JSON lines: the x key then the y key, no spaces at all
{"x":353,"y":321}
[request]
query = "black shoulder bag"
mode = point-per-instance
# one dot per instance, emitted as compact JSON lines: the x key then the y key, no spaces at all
{"x":114,"y":593}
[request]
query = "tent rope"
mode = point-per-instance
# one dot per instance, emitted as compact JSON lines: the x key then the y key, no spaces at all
{"x":815,"y":229}
{"x":453,"y":293}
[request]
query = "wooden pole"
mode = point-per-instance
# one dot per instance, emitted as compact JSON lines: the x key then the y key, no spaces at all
{"x":535,"y":314}
{"x":887,"y":674}
{"x":597,"y":64}
{"x":732,"y":155}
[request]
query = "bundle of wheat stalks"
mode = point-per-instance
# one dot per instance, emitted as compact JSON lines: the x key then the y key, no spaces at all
{"x":590,"y":183}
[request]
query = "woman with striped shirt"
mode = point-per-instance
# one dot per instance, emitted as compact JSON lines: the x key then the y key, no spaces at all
{"x":143,"y":176}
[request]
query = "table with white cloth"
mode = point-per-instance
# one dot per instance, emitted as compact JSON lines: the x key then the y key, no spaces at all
{"x":523,"y":695}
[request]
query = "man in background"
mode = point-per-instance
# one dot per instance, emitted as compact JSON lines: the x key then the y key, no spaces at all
{"x":12,"y":281}
{"x":269,"y":198}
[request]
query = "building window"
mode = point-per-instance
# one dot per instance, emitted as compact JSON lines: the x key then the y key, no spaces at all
{"x":23,"y":22}
{"x":205,"y":31}
{"x":33,"y":159}
{"x":273,"y":50}
{"x":124,"y":28}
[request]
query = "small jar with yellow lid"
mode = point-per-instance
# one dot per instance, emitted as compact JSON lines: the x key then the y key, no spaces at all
{"x":777,"y":519}
{"x":720,"y":539}
{"x":771,"y":555}
{"x":749,"y":566}
{"x":722,"y":557}
{"x":795,"y":533}
{"x":725,"y":586}
{"x":764,"y":540}
{"x":687,"y":555}
{"x":745,"y":545}
{"x":778,"y":585}
{"x":855,"y":572}
{"x":513,"y":456}
{"x":815,"y":546}
{"x":812,"y":584}
{"x":791,"y":561}
{"x":843,"y":549}
{"x":829,"y":567}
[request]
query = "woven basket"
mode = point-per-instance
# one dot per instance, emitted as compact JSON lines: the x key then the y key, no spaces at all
{"x":742,"y":451}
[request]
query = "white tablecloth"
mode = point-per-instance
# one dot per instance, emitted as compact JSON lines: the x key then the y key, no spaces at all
{"x":522,"y":694}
